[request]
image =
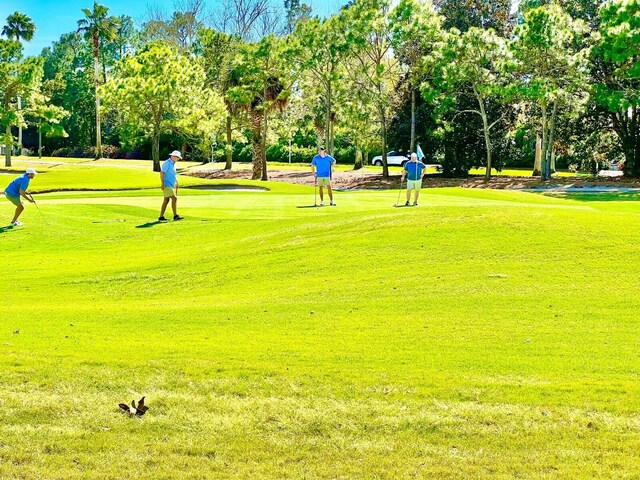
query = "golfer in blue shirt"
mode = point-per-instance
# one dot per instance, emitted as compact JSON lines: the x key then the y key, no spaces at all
{"x":414,"y":169}
{"x":169,"y":185}
{"x":322,"y":168}
{"x":18,"y":188}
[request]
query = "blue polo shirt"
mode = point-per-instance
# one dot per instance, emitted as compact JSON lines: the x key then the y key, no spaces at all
{"x":19,"y":183}
{"x":414,"y":170}
{"x":323,"y":165}
{"x":170,"y":174}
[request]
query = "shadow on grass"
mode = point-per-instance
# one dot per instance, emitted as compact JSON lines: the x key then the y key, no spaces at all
{"x":308,"y":206}
{"x":149,"y":224}
{"x":6,"y":229}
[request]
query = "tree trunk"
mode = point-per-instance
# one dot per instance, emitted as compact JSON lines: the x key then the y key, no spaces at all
{"x":553,"y":160}
{"x":537,"y":166}
{"x":546,"y":171}
{"x":319,"y":129}
{"x":331,"y":134}
{"x":635,"y":140}
{"x":183,"y":150}
{"x":256,"y":143}
{"x":155,"y":151}
{"x":19,"y":128}
{"x":327,"y":133}
{"x":229,"y":146}
{"x":39,"y":138}
{"x":487,"y":138}
{"x":412,"y":147}
{"x":264,"y":177}
{"x":631,"y":151}
{"x":8,"y":146}
{"x":383,"y":124}
{"x":487,"y":142}
{"x":358,"y":163}
{"x":96,"y":69}
{"x":552,"y":129}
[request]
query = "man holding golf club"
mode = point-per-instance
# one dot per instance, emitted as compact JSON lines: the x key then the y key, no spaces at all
{"x":18,"y":188}
{"x":169,"y":185}
{"x":322,"y":169}
{"x":414,"y":170}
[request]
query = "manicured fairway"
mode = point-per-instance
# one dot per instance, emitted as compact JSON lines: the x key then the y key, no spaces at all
{"x":484,"y":334}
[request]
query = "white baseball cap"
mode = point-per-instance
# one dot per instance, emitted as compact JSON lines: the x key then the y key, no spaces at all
{"x":31,"y":170}
{"x":176,"y":153}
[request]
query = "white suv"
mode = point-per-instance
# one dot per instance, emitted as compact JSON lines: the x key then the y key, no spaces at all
{"x":393,"y":158}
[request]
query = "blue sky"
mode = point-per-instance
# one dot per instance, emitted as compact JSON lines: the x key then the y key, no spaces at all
{"x":55,"y":17}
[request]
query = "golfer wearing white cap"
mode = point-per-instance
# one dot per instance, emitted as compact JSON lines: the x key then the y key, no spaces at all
{"x":169,"y":185}
{"x":18,"y":188}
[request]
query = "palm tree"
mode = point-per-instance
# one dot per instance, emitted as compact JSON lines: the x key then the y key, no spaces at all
{"x":231,"y":78}
{"x":262,"y":104}
{"x":97,"y":25}
{"x":264,"y":82}
{"x":19,"y":27}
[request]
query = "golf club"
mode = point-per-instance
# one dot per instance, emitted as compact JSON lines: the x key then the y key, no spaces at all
{"x":41,"y":214}
{"x":315,"y":191}
{"x":397,"y":204}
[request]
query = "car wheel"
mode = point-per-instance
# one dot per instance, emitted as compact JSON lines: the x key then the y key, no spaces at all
{"x":378,"y":163}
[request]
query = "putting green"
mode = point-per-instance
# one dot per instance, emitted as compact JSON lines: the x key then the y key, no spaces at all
{"x":482,"y":334}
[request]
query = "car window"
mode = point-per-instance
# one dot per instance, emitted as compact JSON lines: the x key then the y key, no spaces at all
{"x":392,"y":153}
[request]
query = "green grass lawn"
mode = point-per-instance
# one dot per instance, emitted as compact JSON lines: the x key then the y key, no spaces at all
{"x":484,"y":334}
{"x":64,"y":174}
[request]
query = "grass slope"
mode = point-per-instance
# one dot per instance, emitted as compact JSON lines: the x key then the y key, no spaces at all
{"x":483,"y":334}
{"x":71,"y":174}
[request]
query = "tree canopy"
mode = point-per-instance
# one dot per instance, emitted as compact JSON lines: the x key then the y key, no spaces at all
{"x":474,"y":82}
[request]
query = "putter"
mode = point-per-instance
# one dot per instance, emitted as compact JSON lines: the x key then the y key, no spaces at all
{"x":41,"y":214}
{"x":397,"y":204}
{"x":315,"y":192}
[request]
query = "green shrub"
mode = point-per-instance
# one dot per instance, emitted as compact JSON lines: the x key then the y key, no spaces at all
{"x":242,"y":152}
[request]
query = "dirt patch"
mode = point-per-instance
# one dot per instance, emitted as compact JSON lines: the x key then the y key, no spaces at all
{"x":373,"y":180}
{"x":341,"y":180}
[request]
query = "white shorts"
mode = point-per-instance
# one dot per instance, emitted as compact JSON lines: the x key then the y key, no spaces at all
{"x":414,"y":184}
{"x":324,"y":181}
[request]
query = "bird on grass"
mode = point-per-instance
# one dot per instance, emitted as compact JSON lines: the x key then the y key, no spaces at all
{"x":137,"y":410}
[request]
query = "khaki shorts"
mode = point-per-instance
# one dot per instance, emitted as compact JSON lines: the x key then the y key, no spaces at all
{"x":169,"y":192}
{"x":324,"y":181}
{"x":414,"y":185}
{"x":15,"y":199}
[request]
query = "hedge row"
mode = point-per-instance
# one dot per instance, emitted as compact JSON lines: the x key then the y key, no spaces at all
{"x":108,"y":151}
{"x":280,"y":153}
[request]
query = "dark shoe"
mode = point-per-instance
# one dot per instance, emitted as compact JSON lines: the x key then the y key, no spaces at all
{"x":415,"y":204}
{"x":407,"y":204}
{"x":177,"y":217}
{"x":162,"y":219}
